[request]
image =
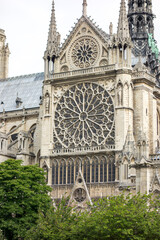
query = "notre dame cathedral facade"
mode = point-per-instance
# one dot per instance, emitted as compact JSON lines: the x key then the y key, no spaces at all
{"x":92,"y":118}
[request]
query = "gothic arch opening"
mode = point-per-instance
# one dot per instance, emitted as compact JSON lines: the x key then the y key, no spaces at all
{"x":139,"y":3}
{"x":131,"y":26}
{"x":32,"y":131}
{"x":140,"y":24}
{"x":94,"y":169}
{"x":13,"y":134}
{"x":2,"y":142}
{"x":150,"y":24}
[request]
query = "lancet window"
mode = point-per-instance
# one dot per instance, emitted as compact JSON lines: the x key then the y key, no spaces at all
{"x":95,"y":170}
{"x":139,"y":3}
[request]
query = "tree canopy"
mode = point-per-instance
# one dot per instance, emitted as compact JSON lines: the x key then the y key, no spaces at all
{"x":27,"y":213}
{"x":116,"y":218}
{"x":23,"y":193}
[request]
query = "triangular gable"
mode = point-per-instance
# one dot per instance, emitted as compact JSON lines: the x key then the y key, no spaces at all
{"x":80,"y":195}
{"x":155,"y":185}
{"x":102,"y":35}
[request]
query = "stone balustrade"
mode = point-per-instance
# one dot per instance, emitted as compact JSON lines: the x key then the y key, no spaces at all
{"x":94,"y":70}
{"x":64,"y":151}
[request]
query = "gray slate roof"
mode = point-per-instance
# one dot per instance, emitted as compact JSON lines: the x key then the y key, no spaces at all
{"x":28,"y":88}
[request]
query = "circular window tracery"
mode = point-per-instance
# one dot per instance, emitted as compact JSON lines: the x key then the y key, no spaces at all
{"x":79,"y":195}
{"x":84,"y":52}
{"x":84,"y":117}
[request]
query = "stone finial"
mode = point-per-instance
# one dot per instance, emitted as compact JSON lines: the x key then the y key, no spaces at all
{"x":111,"y":28}
{"x":53,"y":36}
{"x":85,"y":8}
{"x":123,"y":28}
{"x":4,"y":58}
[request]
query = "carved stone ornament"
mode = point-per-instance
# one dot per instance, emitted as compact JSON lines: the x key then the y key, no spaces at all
{"x":47,"y":102}
{"x":84,"y":117}
{"x":79,"y":195}
{"x":84,"y":52}
{"x":155,"y":185}
{"x":120,"y":95}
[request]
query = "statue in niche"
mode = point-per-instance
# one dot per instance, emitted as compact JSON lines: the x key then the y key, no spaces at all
{"x":47,"y":102}
{"x":119,"y":94}
{"x":45,"y":168}
{"x":20,"y":145}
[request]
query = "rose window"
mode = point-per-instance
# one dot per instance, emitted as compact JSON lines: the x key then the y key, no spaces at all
{"x":80,"y":195}
{"x":84,"y":53}
{"x":84,"y":117}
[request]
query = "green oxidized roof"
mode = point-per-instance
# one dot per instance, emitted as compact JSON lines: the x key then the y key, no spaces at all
{"x":152,"y":44}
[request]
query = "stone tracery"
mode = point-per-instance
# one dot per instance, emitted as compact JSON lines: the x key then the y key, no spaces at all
{"x":95,"y":169}
{"x":84,"y":117}
{"x":84,"y":52}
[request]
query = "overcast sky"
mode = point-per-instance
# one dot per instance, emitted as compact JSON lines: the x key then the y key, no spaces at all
{"x":26,"y":23}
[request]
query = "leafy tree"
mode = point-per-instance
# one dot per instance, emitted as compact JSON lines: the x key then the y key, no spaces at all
{"x":121,"y":217}
{"x":132,"y":217}
{"x":23,"y":193}
{"x":56,"y":223}
{"x":1,"y":235}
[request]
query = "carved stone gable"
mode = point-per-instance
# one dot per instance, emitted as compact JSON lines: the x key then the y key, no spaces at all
{"x":155,"y":185}
{"x":80,"y":195}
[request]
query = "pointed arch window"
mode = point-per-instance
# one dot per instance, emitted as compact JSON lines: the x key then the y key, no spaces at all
{"x":125,"y":171}
{"x":76,"y":168}
{"x":88,"y":171}
{"x":2,"y":144}
{"x":140,"y":24}
{"x":105,"y":170}
{"x":63,"y":172}
{"x":56,"y":182}
{"x":55,"y":173}
{"x":93,"y":172}
{"x":85,"y":171}
{"x":69,"y":173}
{"x":101,"y":171}
{"x":72,"y":173}
{"x":64,"y":178}
{"x":110,"y":171}
{"x":139,"y":3}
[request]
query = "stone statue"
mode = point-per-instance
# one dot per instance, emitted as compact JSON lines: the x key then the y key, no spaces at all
{"x":150,"y":39}
{"x":45,"y":168}
{"x":111,"y":28}
{"x":47,"y":102}
{"x":119,"y":95}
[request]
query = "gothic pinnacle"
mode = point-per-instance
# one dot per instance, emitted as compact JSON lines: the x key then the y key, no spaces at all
{"x":85,"y":8}
{"x":53,"y":36}
{"x":123,"y":28}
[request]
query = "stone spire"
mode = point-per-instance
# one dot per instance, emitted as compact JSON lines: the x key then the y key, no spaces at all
{"x":85,"y":8}
{"x":123,"y":28}
{"x":53,"y":36}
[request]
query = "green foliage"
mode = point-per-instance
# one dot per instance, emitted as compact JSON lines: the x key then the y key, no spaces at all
{"x":121,"y":218}
{"x":56,"y":224}
{"x":23,"y":193}
{"x":26,"y":212}
{"x":1,"y":235}
{"x":117,"y":218}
